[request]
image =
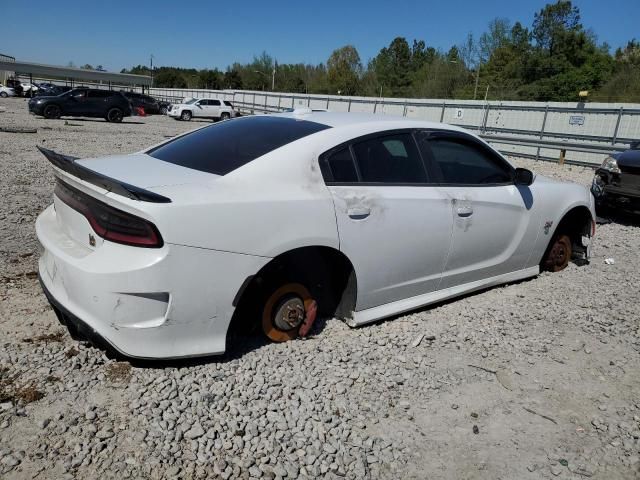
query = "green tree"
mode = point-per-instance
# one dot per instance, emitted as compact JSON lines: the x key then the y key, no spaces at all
{"x":232,"y":79}
{"x":552,"y":22}
{"x":169,"y":79}
{"x":343,"y":70}
{"x":393,"y":65}
{"x":497,"y":36}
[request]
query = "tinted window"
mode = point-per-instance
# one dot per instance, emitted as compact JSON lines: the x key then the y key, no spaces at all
{"x":390,"y":159}
{"x":465,"y":162}
{"x":223,"y":147}
{"x":78,"y":93}
{"x":214,"y":102}
{"x":227,"y":103}
{"x":99,"y":93}
{"x":341,"y":166}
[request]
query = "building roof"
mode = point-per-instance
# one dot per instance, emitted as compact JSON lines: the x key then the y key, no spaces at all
{"x":55,"y":71}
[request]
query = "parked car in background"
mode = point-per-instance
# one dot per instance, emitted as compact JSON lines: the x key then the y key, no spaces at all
{"x":6,"y":91}
{"x":276,"y":219}
{"x":16,"y":85}
{"x":29,"y":89}
{"x":164,"y":106}
{"x":616,"y":184}
{"x":203,"y":108}
{"x":150,"y":105}
{"x":83,"y":102}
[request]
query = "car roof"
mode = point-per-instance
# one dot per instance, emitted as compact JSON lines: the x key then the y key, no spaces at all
{"x":343,"y":119}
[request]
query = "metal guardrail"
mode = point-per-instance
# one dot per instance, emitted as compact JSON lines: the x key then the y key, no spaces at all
{"x":538,"y":143}
{"x":523,"y":129}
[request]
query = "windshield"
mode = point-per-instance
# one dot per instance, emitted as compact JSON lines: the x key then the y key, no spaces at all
{"x":189,"y":102}
{"x":226,"y":146}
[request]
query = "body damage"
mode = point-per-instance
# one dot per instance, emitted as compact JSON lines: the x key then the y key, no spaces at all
{"x":404,"y":243}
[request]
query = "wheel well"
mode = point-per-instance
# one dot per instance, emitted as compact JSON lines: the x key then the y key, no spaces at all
{"x":576,"y":223}
{"x":328,"y":271}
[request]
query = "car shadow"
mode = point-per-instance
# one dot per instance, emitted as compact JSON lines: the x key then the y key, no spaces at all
{"x":100,"y":120}
{"x":627,"y":219}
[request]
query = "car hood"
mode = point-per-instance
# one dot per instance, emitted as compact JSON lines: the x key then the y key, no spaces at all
{"x":144,"y":171}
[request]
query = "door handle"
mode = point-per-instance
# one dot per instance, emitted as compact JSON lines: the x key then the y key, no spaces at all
{"x":464,"y":211}
{"x":358,"y":213}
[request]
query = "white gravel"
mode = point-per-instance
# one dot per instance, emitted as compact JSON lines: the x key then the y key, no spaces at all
{"x":557,"y":394}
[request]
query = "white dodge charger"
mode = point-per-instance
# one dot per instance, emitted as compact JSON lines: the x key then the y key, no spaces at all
{"x":272,"y":221}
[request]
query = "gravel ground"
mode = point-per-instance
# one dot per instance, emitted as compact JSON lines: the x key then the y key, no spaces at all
{"x":537,"y":379}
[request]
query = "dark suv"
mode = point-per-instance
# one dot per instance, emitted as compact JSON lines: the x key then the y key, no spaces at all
{"x":616,"y":184}
{"x":83,"y":102}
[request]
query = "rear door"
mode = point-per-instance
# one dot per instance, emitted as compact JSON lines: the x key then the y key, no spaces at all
{"x":490,"y":214}
{"x":97,"y":102}
{"x":394,"y":224}
{"x":214,"y":108}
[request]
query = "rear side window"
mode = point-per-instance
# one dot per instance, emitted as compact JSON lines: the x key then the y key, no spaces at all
{"x":226,"y":146}
{"x":464,"y":162}
{"x":341,"y":165}
{"x":390,"y":159}
{"x":215,"y":103}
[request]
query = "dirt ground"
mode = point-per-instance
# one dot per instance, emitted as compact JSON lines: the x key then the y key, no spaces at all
{"x":538,"y":379}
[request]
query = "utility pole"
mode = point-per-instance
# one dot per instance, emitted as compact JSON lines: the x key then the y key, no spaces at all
{"x":475,"y":91}
{"x":273,"y":80}
{"x":152,"y":70}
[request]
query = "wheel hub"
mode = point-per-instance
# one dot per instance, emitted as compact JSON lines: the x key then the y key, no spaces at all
{"x":289,"y":313}
{"x":558,"y":254}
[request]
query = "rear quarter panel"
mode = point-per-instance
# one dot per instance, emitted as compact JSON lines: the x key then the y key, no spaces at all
{"x":265,"y":208}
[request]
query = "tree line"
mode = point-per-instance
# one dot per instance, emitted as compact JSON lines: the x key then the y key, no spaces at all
{"x":553,"y":59}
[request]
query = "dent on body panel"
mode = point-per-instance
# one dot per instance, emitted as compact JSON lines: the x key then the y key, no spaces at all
{"x":361,"y":197}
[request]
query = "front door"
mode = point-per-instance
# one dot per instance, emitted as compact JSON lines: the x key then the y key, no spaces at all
{"x":200,"y":108}
{"x":77,"y":104}
{"x":394,"y":224}
{"x":490,"y":214}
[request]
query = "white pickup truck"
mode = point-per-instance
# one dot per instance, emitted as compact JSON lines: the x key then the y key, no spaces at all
{"x":202,"y":108}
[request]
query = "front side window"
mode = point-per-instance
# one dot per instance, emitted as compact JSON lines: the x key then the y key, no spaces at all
{"x":226,"y":146}
{"x":390,"y":159}
{"x":464,"y":162}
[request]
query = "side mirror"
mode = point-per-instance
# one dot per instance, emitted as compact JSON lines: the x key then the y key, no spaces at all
{"x":523,"y":177}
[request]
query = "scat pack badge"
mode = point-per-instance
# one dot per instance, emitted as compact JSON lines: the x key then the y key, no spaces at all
{"x":547,"y":226}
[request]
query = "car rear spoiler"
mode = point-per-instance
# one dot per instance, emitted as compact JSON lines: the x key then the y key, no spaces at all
{"x":69,"y":165}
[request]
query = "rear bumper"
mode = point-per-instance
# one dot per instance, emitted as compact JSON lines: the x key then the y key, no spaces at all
{"x":171,"y":302}
{"x":73,"y":323}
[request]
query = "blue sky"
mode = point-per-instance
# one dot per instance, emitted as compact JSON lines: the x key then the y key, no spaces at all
{"x":208,"y":34}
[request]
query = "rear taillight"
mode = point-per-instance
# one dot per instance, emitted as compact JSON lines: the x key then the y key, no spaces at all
{"x":108,"y":222}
